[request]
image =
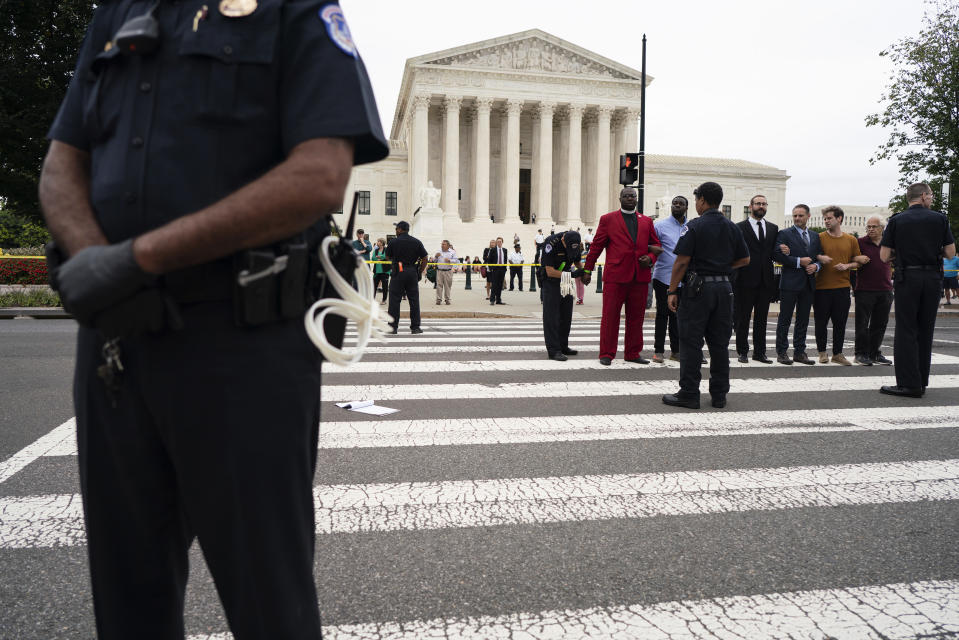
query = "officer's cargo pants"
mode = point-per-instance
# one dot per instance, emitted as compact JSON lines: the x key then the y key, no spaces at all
{"x":557,"y":316}
{"x":708,"y":316}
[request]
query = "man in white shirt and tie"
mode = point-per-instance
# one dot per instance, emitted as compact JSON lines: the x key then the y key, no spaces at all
{"x":538,"y":241}
{"x":497,"y":272}
{"x":445,"y":259}
{"x":516,"y":261}
{"x":754,"y":284}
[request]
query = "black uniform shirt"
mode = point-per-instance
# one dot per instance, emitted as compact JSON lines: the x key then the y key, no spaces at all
{"x":556,"y":255}
{"x":713,"y":244}
{"x":406,"y":249}
{"x":214,"y":108}
{"x":918,"y":236}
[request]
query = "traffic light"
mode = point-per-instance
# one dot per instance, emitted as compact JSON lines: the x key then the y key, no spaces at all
{"x":628,"y":168}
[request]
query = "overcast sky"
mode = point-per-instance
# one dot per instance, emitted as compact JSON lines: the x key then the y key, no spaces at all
{"x":782,"y":83}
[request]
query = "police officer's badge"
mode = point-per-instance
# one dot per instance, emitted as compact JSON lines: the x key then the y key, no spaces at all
{"x":237,"y":8}
{"x":339,"y":31}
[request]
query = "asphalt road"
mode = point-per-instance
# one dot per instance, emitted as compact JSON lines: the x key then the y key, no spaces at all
{"x":809,"y":481}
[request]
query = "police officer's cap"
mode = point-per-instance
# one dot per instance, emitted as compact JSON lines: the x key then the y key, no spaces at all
{"x":572,"y":239}
{"x":402,"y":224}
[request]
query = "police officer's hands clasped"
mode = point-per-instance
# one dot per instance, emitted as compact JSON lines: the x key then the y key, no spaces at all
{"x":99,"y":277}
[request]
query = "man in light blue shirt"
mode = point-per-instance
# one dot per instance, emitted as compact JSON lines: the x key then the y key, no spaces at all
{"x":668,"y":229}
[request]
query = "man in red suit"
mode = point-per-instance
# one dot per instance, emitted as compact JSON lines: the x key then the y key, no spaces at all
{"x":631,"y":246}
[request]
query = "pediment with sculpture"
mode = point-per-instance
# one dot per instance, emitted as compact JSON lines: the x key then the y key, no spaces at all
{"x":532,"y":54}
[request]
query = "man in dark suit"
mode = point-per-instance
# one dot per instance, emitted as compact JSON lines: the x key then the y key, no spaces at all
{"x":754,"y":284}
{"x":497,"y":256}
{"x":796,"y":251}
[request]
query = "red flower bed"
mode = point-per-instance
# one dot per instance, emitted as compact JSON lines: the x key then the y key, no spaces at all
{"x":23,"y":271}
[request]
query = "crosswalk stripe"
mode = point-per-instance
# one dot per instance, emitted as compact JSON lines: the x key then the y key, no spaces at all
{"x":55,"y":520}
{"x":396,"y":348}
{"x":49,"y":442}
{"x":586,"y":388}
{"x":469,"y":431}
{"x":590,"y":362}
{"x":901,"y":611}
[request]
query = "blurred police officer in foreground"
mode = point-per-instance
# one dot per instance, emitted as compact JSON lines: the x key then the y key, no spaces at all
{"x":561,"y":251}
{"x":409,"y":262}
{"x":706,"y":253}
{"x":190,"y":135}
{"x":918,"y":238}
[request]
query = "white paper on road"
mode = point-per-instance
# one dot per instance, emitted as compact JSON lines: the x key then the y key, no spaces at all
{"x":354,"y":404}
{"x":366,"y":406}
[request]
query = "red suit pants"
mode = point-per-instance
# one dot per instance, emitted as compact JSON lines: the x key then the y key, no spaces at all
{"x":614,"y":295}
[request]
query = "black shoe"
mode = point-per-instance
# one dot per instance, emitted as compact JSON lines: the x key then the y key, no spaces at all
{"x":881,"y":359}
{"x":416,"y":330}
{"x":905,"y":392}
{"x":761,"y":357}
{"x":744,"y":358}
{"x":558,"y":356}
{"x":500,"y":303}
{"x":606,"y":361}
{"x":719,"y":402}
{"x":638,"y":360}
{"x":569,"y":352}
{"x":863,"y":360}
{"x":674,"y":400}
{"x":802,"y":358}
{"x":393,"y":331}
{"x":782,"y":358}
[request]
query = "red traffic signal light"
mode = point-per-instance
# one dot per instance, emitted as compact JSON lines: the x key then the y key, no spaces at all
{"x":628,"y":168}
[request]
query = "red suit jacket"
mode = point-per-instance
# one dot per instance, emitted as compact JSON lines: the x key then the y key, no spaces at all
{"x":622,"y":254}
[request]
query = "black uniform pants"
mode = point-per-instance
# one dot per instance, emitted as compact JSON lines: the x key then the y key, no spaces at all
{"x":872,"y":316}
{"x":751,"y":301}
{"x":405,"y":283}
{"x":801,"y":302}
{"x":557,"y":316}
{"x":497,"y":276}
{"x":665,"y":319}
{"x":831,"y":305}
{"x":515,"y":272}
{"x":709,"y":317}
{"x":213,"y":438}
{"x":917,"y":301}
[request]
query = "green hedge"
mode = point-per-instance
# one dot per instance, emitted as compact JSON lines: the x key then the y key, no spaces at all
{"x":30,"y":298}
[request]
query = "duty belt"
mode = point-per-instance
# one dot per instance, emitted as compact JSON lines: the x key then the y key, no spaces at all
{"x":202,"y":283}
{"x":922,"y":267}
{"x":715,"y":278}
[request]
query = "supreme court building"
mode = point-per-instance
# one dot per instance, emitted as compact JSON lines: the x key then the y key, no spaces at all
{"x":525,"y":132}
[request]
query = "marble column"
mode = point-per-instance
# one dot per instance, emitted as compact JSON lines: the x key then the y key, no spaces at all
{"x":481,"y":159}
{"x":574,"y":166}
{"x":543,"y":159}
{"x":511,"y":153}
{"x":601,"y":204}
{"x":632,"y":130}
{"x":451,"y":156}
{"x":419,"y":146}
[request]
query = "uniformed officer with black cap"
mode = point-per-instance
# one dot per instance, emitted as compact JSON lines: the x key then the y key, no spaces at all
{"x":918,"y":238}
{"x":196,"y":145}
{"x":561,"y":252}
{"x":706,"y":254}
{"x":409,"y":262}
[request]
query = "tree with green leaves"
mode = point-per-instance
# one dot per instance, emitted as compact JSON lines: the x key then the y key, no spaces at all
{"x":39,"y":41}
{"x":922,"y":107}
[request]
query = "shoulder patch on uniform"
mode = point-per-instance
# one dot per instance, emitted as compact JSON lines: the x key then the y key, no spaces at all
{"x":332,"y":16}
{"x":683,"y":231}
{"x":548,"y":248}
